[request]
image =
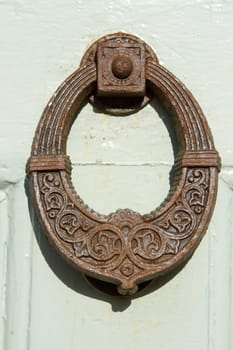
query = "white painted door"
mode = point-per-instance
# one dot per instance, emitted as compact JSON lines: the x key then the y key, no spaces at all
{"x":121,"y":162}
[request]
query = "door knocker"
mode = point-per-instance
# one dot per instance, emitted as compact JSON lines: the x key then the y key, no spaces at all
{"x":120,"y":73}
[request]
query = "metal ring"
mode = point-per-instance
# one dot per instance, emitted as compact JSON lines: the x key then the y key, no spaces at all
{"x":124,"y":247}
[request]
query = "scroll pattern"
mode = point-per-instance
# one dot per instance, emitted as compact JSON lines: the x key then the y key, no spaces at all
{"x":124,"y":242}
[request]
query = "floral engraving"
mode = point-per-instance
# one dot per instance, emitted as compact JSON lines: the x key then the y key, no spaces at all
{"x":125,"y":244}
{"x":184,"y":216}
{"x":105,"y":244}
{"x":148,"y":243}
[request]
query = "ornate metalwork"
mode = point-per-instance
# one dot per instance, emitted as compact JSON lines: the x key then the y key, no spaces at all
{"x":125,"y":247}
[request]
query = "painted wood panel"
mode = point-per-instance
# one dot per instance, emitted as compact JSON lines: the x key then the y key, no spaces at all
{"x":117,"y":162}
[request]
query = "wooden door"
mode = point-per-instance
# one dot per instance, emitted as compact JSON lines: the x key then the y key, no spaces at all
{"x":118,"y":162}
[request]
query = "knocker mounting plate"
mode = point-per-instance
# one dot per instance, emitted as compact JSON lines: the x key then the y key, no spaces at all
{"x":122,"y":73}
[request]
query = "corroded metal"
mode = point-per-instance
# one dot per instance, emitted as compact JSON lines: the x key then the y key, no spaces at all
{"x":139,"y":51}
{"x":124,"y":247}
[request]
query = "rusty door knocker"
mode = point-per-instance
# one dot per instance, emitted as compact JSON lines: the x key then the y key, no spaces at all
{"x":120,"y":73}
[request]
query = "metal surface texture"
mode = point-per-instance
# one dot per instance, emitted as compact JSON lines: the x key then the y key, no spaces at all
{"x":121,"y":73}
